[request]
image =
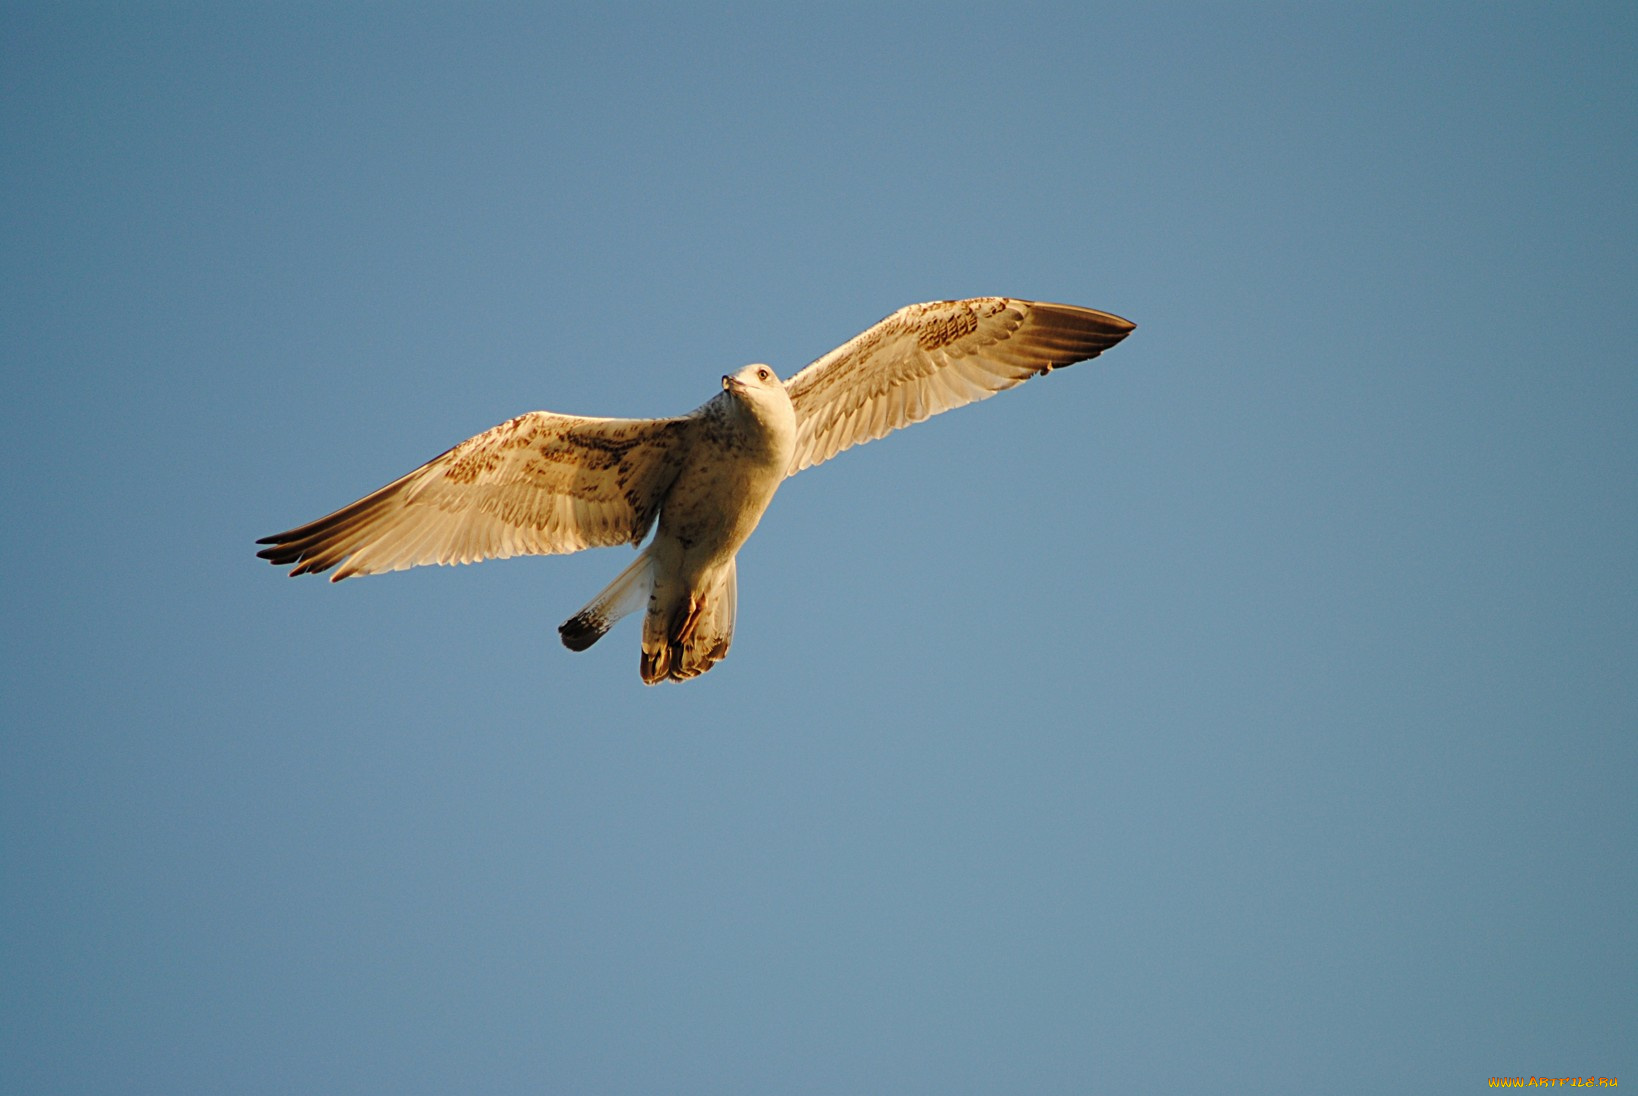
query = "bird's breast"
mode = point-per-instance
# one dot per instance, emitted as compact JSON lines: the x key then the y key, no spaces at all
{"x":720,"y":494}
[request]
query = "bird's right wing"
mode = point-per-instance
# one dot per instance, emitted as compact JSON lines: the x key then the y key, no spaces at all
{"x":540,"y":484}
{"x":933,"y":357}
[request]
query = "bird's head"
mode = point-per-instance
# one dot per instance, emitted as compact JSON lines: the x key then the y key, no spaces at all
{"x":758,"y":390}
{"x":750,"y":379}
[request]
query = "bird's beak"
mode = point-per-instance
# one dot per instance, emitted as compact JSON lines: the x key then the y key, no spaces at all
{"x":728,"y":383}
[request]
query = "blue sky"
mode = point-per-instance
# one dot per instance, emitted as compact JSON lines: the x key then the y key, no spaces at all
{"x":1252,"y":706}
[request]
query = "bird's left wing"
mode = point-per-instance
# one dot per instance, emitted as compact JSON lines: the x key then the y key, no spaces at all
{"x":929,"y":358}
{"x":540,"y":484}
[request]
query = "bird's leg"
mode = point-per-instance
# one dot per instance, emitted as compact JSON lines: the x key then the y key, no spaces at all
{"x":690,"y":621}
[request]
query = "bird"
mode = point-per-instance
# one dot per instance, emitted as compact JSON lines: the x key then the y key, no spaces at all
{"x":546,"y":483}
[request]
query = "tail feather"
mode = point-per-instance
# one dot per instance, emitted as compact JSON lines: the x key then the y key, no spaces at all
{"x":626,"y":594}
{"x":688,"y":644}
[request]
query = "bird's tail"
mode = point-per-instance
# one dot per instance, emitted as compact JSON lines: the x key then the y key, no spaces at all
{"x":626,"y":594}
{"x":694,"y":638}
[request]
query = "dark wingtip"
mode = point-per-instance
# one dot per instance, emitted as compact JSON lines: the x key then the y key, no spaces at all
{"x":279,"y":553}
{"x":285,"y":553}
{"x":1118,"y":326}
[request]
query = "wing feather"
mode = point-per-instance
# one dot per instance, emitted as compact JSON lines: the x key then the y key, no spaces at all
{"x":540,"y":484}
{"x":929,"y":358}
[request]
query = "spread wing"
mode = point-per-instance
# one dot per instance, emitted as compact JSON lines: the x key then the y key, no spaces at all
{"x":540,"y":484}
{"x":929,"y":358}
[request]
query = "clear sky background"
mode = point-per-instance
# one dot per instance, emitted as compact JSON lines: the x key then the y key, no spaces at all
{"x":1252,"y":708}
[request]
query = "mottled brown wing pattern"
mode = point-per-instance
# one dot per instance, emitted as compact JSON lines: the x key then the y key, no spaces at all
{"x":929,"y":358}
{"x":539,"y":484}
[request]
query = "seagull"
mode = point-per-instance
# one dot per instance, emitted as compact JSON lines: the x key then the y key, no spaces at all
{"x":548,"y":484}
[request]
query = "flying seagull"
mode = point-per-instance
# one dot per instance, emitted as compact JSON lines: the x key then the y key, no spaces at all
{"x":544,"y":484}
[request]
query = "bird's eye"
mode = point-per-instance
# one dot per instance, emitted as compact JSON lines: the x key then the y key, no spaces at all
{"x":761,"y":374}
